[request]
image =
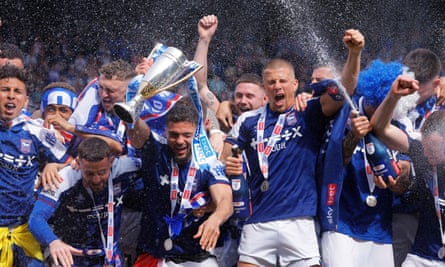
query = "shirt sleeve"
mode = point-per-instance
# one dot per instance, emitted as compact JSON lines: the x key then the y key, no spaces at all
{"x":89,"y":102}
{"x":38,"y":221}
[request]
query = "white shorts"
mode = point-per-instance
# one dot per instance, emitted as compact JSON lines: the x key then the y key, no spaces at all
{"x":291,"y":242}
{"x":416,"y":261}
{"x":210,"y":262}
{"x":341,"y":250}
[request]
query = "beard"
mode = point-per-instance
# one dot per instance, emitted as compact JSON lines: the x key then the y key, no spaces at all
{"x":183,"y":158}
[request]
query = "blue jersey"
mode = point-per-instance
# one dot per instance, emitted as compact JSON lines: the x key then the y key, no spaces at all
{"x":355,"y":218}
{"x":420,"y":199}
{"x":344,"y":189}
{"x":89,"y":117}
{"x":75,"y":213}
{"x":89,"y":105}
{"x":292,"y":191}
{"x":157,"y":169}
{"x":25,"y":146}
{"x":414,"y":118}
{"x":70,"y":141}
{"x":428,"y":236}
{"x":411,"y":124}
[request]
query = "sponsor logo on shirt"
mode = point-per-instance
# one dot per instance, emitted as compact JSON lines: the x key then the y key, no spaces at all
{"x":11,"y":162}
{"x":287,"y":135}
{"x":332,"y":190}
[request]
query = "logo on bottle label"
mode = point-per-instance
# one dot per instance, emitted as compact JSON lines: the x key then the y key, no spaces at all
{"x":238,"y":203}
{"x":236,"y":184}
{"x":370,"y":149}
{"x":379,"y":169}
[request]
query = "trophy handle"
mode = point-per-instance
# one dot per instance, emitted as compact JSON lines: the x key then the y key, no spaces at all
{"x":155,"y":48}
{"x":186,"y":77}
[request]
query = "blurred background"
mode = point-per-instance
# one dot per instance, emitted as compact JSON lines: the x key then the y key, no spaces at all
{"x":69,"y":40}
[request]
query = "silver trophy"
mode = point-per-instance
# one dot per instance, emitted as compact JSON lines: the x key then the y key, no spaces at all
{"x":170,"y":69}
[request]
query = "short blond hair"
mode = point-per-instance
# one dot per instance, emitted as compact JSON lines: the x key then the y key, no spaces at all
{"x":279,"y":63}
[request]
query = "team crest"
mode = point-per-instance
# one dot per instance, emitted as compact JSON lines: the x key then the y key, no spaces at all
{"x":370,"y":148}
{"x":117,"y":188}
{"x":25,"y":146}
{"x":236,"y":184}
{"x":291,"y":119}
{"x":51,"y":138}
{"x":158,"y":106}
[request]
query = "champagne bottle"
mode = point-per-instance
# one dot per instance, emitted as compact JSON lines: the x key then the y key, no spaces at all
{"x":380,"y":158}
{"x":240,"y":192}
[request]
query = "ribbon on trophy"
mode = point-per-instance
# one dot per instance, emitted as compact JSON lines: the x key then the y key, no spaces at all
{"x":154,"y":108}
{"x":159,"y":104}
{"x":152,"y":113}
{"x":202,"y":150}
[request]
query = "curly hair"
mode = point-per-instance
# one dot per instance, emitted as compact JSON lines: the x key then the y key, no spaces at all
{"x":118,"y":69}
{"x":11,"y":71}
{"x":375,"y":81}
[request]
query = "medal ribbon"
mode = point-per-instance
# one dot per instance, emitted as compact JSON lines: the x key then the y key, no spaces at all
{"x":175,"y":222}
{"x":368,"y":168}
{"x":264,"y":152}
{"x":108,"y":245}
{"x":436,"y":203}
{"x":110,"y":228}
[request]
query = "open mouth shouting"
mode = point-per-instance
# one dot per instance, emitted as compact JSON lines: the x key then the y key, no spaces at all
{"x":10,"y":108}
{"x":9,"y":111}
{"x":107,"y":104}
{"x":279,"y":100}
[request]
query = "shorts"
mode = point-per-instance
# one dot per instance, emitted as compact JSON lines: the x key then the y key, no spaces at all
{"x":289,"y":242}
{"x":415,"y":261}
{"x":146,"y":260}
{"x":341,"y":250}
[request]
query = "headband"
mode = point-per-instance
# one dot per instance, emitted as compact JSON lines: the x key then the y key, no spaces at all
{"x":58,"y":96}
